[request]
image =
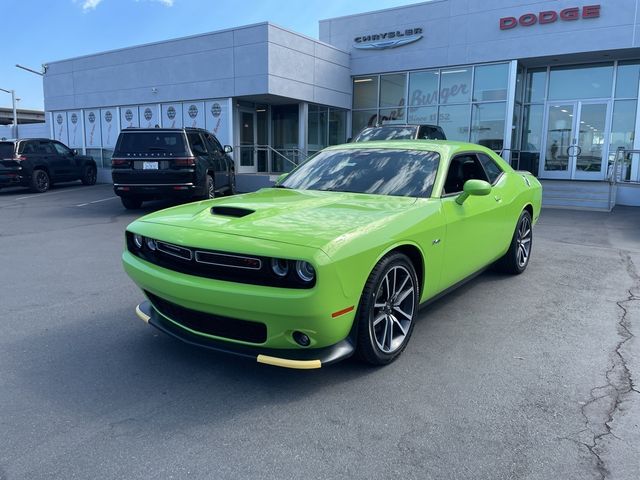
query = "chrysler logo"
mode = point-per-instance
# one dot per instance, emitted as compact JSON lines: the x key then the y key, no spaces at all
{"x":381,"y":41}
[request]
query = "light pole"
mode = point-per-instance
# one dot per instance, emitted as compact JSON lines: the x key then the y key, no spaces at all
{"x":15,"y":113}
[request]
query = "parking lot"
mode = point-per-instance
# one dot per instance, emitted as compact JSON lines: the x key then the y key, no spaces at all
{"x":528,"y":377}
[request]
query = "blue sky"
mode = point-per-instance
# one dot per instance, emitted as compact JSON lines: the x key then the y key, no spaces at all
{"x":38,"y":31}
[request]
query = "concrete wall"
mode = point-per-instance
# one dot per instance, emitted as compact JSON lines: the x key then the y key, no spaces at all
{"x":458,"y":32}
{"x":252,"y":60}
{"x":32,"y":130}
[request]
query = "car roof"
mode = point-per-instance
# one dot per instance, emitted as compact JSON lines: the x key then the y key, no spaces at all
{"x":443,"y":147}
{"x":162,"y":129}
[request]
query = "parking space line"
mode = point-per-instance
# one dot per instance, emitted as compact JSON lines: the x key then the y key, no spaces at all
{"x":41,"y":195}
{"x":95,"y":201}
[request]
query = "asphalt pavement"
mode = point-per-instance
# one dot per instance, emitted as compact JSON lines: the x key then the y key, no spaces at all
{"x":527,"y":377}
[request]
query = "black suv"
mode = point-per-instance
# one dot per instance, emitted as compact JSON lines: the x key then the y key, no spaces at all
{"x":156,"y":163}
{"x":400,"y":132}
{"x":39,"y":162}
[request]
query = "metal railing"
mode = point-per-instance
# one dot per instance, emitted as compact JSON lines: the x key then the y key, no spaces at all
{"x":620,"y":170}
{"x":277,"y":160}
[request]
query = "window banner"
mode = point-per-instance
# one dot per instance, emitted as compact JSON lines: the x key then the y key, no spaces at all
{"x":149,"y":116}
{"x":74,"y":123}
{"x":129,"y":117}
{"x":172,"y":115}
{"x":193,"y":114}
{"x":60,"y":127}
{"x":110,"y":127}
{"x":92,"y":132}
{"x":217,"y":120}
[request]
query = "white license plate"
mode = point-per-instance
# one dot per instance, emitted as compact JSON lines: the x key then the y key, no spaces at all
{"x":150,"y":166}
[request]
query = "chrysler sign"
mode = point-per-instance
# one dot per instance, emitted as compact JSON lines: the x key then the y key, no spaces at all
{"x":380,"y":41}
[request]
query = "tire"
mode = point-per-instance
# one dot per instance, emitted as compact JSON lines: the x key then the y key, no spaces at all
{"x":517,"y":258}
{"x":40,"y":181}
{"x":89,"y":175}
{"x":209,"y":187}
{"x":384,"y":323}
{"x":131,"y":203}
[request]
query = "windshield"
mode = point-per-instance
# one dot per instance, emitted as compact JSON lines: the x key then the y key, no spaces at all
{"x":151,"y":142}
{"x":398,"y":132}
{"x":6,"y":149}
{"x":406,"y":173}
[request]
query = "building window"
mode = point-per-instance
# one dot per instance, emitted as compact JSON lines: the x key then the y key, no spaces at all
{"x":627,"y":78}
{"x":580,"y":82}
{"x":326,"y":126}
{"x":365,"y":92}
{"x":455,"y":85}
{"x":490,"y":83}
{"x":393,"y":89}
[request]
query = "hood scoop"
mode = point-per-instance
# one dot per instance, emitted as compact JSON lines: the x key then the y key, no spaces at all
{"x":225,"y":211}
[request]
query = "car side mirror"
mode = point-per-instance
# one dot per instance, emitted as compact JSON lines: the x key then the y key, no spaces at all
{"x":74,"y":152}
{"x":473,"y":187}
{"x":228,"y":149}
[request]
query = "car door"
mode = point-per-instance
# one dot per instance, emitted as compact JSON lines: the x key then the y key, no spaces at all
{"x":223,"y":159}
{"x":48,"y":156}
{"x":222,"y":177}
{"x":65,"y":161}
{"x":475,"y":234}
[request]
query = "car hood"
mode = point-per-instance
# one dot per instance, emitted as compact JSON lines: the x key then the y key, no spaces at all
{"x":298,"y":217}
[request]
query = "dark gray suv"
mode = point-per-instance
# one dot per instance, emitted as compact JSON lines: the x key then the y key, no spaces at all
{"x":39,"y":162}
{"x":158,"y":163}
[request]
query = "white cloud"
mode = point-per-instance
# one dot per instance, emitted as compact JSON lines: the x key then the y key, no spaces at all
{"x":166,"y":3}
{"x":90,"y":4}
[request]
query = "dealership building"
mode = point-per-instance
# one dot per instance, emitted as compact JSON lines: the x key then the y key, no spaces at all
{"x":551,"y":85}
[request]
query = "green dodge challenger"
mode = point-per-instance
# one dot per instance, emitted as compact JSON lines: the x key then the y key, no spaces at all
{"x":337,"y":258}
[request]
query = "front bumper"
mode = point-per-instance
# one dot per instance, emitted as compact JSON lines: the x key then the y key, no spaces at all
{"x":289,"y":358}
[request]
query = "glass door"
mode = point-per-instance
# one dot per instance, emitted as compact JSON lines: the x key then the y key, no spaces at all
{"x":248,"y":135}
{"x":592,"y":140}
{"x":576,"y":140}
{"x":558,"y":146}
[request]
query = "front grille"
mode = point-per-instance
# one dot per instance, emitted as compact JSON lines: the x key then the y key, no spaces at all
{"x":227,"y":266}
{"x":234,"y":329}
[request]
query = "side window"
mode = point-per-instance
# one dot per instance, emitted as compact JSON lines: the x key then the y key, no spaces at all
{"x":211,"y":144}
{"x":491,"y":167}
{"x":45,"y":148}
{"x":197,"y":145}
{"x":217,"y":143}
{"x":61,"y":149}
{"x":462,"y":168}
{"x":29,"y":147}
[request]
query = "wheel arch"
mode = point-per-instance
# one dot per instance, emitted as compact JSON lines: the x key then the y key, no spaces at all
{"x":415,"y":255}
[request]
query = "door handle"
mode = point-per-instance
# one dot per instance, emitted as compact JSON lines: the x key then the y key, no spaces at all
{"x":498,"y":199}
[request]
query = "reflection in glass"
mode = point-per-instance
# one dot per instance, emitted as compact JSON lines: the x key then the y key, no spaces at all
{"x":532,"y":128}
{"x":423,"y":115}
{"x":365,"y":92}
{"x":405,"y":173}
{"x":490,"y":82}
{"x":284,"y":132}
{"x":590,"y":81}
{"x":423,"y":88}
{"x":536,"y":79}
{"x":317,"y":128}
{"x":392,"y":115}
{"x":393,"y":89}
{"x":247,"y":139}
{"x":627,"y":79}
{"x":455,"y":85}
{"x":487,"y":124}
{"x":591,"y":136}
{"x":622,"y":133}
{"x":364,"y":118}
{"x":454,"y":120}
{"x":559,"y":130}
{"x":337,"y":126}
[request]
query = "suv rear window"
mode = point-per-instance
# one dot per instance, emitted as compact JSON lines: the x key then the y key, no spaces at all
{"x":151,"y":142}
{"x":402,"y":132}
{"x":6,"y":149}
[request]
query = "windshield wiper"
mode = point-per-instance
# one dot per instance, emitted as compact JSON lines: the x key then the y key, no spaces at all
{"x":158,"y":149}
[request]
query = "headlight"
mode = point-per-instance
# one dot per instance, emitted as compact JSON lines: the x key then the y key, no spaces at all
{"x":280,"y":267}
{"x":137,"y":240}
{"x":151,"y":244}
{"x":305,"y":271}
